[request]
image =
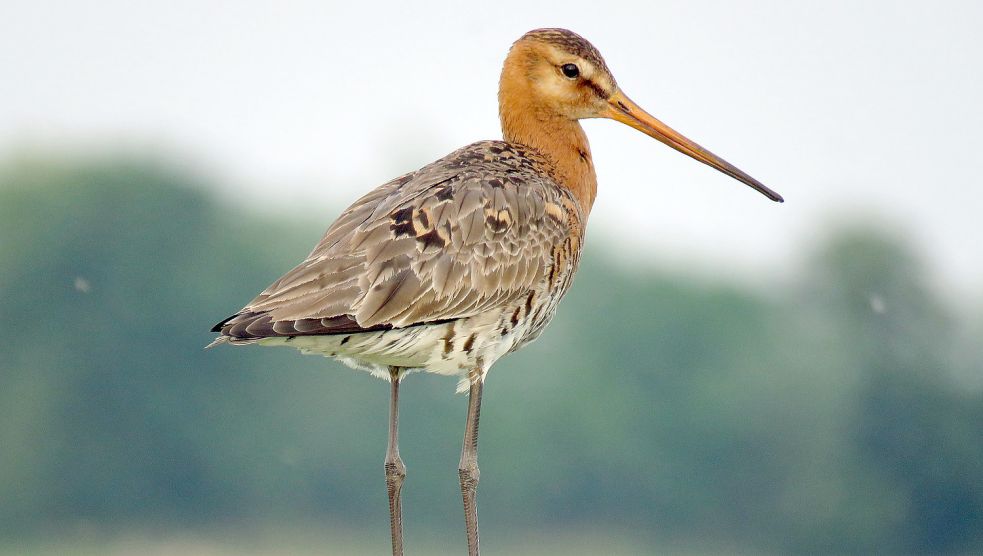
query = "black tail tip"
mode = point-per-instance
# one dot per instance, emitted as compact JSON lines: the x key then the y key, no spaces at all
{"x":218,"y":327}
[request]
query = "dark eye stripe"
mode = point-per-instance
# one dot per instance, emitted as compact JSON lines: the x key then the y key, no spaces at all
{"x":598,"y":90}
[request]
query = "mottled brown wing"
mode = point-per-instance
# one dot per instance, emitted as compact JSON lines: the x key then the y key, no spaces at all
{"x":473,"y":231}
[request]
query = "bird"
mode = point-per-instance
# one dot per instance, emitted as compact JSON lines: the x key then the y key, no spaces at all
{"x":450,"y":267}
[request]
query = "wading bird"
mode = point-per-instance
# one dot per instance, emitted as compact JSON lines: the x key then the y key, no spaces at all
{"x":448,"y":268}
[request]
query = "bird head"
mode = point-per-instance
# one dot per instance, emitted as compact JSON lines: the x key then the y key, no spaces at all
{"x":556,"y":73}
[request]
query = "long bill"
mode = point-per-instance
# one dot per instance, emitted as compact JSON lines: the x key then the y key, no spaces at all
{"x":622,"y":109}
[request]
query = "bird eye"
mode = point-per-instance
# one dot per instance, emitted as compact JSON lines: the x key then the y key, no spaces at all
{"x":570,"y":70}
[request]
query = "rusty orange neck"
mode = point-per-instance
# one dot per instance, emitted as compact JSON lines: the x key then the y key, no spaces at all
{"x":559,"y":138}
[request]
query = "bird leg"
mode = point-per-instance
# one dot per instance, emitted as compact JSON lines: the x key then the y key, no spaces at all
{"x":395,"y":470}
{"x":468,"y":468}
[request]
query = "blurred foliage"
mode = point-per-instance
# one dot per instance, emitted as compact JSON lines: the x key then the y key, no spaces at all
{"x":829,"y":416}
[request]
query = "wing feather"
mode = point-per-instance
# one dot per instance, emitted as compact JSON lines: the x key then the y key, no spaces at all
{"x":465,"y":234}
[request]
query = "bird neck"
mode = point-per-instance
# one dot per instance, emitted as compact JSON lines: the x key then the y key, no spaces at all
{"x":558,"y":138}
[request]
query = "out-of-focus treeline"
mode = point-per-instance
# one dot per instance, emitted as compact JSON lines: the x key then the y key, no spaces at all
{"x":839,"y":412}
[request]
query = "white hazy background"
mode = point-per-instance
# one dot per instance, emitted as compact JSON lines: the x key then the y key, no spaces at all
{"x":852,"y":110}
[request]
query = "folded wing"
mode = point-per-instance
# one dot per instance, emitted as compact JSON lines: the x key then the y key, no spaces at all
{"x":471,"y":232}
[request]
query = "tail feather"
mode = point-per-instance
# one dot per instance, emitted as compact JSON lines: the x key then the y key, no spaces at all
{"x":218,"y":341}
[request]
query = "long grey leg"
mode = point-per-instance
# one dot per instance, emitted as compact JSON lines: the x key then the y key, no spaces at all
{"x":395,"y":470}
{"x":468,"y":469}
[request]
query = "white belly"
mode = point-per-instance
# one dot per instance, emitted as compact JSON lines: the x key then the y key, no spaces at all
{"x":458,"y":348}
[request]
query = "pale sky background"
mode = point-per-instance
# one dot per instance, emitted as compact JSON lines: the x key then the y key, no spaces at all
{"x":849,"y":109}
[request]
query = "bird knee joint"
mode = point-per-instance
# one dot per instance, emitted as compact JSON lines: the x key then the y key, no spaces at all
{"x":395,"y":469}
{"x":469,"y":474}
